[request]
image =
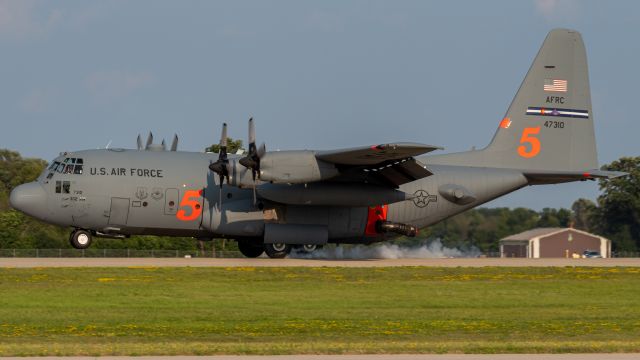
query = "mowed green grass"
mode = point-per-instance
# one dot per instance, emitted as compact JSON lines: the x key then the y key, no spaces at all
{"x":147,"y":311}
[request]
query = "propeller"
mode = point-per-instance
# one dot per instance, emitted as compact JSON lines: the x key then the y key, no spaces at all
{"x":139,"y":140}
{"x":252,"y":160}
{"x":221,"y":166}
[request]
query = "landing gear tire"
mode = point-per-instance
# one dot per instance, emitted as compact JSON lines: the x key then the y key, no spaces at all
{"x":250,"y":249}
{"x":277,"y":251}
{"x":80,"y":239}
{"x":309,"y":248}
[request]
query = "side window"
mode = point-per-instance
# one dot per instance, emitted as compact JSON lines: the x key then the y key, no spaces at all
{"x":66,"y":187}
{"x":58,"y":187}
{"x":60,"y":168}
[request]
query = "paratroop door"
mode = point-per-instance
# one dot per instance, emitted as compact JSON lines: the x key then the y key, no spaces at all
{"x":119,"y":211}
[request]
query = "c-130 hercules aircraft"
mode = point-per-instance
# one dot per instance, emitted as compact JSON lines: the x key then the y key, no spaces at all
{"x":272,"y":201}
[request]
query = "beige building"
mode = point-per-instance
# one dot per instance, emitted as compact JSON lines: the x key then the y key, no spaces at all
{"x":553,"y":242}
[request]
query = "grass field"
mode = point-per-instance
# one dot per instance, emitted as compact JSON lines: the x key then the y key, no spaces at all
{"x":146,"y":311}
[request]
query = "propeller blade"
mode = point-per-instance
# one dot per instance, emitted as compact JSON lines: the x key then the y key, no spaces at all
{"x":149,"y":140}
{"x":139,"y":141}
{"x":223,"y":137}
{"x":252,"y":132}
{"x":174,"y":143}
{"x":164,"y":145}
{"x":255,"y":200}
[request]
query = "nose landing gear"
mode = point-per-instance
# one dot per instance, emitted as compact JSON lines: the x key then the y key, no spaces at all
{"x":80,"y":239}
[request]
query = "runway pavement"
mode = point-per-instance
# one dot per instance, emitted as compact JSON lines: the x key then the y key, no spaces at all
{"x":361,"y":357}
{"x":262,"y":262}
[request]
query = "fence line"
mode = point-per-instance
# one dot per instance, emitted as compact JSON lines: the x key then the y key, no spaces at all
{"x":152,"y":253}
{"x":115,"y":253}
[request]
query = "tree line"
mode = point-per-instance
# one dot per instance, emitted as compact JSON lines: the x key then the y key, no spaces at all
{"x":615,"y":215}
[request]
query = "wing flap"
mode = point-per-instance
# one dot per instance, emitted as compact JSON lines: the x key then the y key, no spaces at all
{"x":389,"y":173}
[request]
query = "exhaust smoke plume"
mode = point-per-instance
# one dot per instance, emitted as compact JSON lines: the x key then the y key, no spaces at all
{"x":433,"y":249}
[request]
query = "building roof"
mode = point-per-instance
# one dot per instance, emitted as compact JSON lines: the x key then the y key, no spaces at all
{"x":542,"y":232}
{"x":530,"y":234}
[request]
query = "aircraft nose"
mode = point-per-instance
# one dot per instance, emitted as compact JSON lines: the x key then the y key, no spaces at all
{"x":29,"y":198}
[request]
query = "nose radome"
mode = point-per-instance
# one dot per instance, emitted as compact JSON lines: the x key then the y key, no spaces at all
{"x":29,"y":198}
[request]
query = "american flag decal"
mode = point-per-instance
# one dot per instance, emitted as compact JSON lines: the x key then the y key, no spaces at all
{"x":555,"y":85}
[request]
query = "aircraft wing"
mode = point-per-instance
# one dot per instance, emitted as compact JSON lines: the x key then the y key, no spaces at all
{"x":384,"y":164}
{"x":371,"y":155}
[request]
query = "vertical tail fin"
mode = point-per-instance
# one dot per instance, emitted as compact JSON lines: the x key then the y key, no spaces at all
{"x":549,"y":124}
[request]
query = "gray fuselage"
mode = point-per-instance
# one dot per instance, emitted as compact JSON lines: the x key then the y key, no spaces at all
{"x":127,"y":192}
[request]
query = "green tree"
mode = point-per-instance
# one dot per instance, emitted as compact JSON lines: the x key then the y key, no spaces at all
{"x":554,"y":218}
{"x":15,"y":170}
{"x":583,"y":212}
{"x":232,"y":146}
{"x":618,"y":212}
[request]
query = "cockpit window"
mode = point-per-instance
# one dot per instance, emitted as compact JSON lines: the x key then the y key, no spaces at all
{"x":71,"y":166}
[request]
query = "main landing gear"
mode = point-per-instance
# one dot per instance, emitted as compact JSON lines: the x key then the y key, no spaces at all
{"x":277,"y":251}
{"x":250,"y":249}
{"x":255,"y":248}
{"x":80,"y":239}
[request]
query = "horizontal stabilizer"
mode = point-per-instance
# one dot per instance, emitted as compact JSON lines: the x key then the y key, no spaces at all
{"x":552,"y":177}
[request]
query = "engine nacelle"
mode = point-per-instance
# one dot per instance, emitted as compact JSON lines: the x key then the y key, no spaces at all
{"x":294,"y":167}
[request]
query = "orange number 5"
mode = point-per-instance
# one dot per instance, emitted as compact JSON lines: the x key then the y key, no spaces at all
{"x":190,"y":201}
{"x":527,"y":137}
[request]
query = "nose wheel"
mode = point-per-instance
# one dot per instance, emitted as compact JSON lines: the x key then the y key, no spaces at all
{"x":80,"y":239}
